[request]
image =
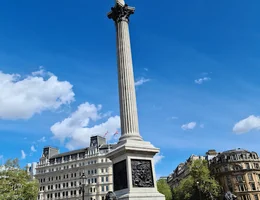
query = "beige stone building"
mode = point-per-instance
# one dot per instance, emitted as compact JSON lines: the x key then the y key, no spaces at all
{"x":59,"y":173}
{"x":181,"y":171}
{"x":238,"y":171}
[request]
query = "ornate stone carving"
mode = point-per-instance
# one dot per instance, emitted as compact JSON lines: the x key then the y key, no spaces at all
{"x":121,"y":13}
{"x":142,"y":175}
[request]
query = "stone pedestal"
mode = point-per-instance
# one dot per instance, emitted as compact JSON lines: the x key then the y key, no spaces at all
{"x":133,"y":167}
{"x":133,"y":171}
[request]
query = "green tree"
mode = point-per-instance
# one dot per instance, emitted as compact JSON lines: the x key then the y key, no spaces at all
{"x":198,"y":183}
{"x":164,"y":189}
{"x":16,"y":184}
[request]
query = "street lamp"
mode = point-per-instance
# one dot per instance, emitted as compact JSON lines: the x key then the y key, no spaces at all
{"x":83,"y":178}
{"x":198,"y":189}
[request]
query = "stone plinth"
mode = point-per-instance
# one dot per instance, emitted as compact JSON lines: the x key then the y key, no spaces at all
{"x":133,"y":171}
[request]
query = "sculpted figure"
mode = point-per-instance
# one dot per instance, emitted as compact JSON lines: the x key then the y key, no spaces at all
{"x":111,"y":196}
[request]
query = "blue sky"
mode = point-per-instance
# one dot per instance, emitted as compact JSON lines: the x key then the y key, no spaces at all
{"x":198,"y":62}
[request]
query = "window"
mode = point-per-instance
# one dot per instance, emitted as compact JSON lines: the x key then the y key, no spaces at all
{"x":239,"y":178}
{"x":107,"y":188}
{"x":247,"y":166}
{"x":102,"y":170}
{"x":95,"y":180}
{"x":107,"y":179}
{"x":103,"y":188}
{"x":256,"y":165}
{"x":102,"y":179}
{"x":226,"y":168}
{"x":256,"y":197}
{"x":252,"y":186}
{"x":71,"y":193}
{"x":250,"y":177}
{"x":241,"y":187}
{"x":88,"y":181}
{"x":95,"y":171}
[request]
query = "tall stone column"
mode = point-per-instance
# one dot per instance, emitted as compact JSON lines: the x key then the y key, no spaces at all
{"x":132,"y":157}
{"x":127,"y":97}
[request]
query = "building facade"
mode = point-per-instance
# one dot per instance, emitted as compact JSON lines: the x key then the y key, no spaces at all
{"x":238,"y":171}
{"x":181,"y":171}
{"x":31,"y":169}
{"x":59,"y":174}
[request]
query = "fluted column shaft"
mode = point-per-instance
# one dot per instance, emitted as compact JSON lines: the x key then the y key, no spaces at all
{"x":127,"y":95}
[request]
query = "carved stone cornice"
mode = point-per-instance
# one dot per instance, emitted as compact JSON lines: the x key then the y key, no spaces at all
{"x":121,"y":13}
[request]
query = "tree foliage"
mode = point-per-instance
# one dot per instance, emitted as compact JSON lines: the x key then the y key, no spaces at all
{"x":16,"y":184}
{"x":198,"y":183}
{"x":164,"y":189}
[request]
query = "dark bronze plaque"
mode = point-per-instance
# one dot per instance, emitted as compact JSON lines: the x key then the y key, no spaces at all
{"x":120,"y":175}
{"x":142,"y":174}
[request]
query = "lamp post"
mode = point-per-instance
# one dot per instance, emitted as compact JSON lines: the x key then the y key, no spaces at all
{"x":198,"y":189}
{"x":83,"y":178}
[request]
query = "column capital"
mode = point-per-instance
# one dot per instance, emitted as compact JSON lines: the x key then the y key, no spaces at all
{"x":121,"y":13}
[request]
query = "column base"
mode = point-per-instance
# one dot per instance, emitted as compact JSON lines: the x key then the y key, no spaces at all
{"x":141,"y":195}
{"x":133,"y":170}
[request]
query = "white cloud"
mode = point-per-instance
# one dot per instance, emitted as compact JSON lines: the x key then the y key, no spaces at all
{"x":75,"y":130}
{"x":247,"y":124}
{"x":33,"y":149}
{"x":141,"y":81}
{"x":201,"y":80}
{"x":157,"y":158}
{"x":23,"y":154}
{"x":42,"y":139}
{"x":21,"y":98}
{"x":189,"y":126}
